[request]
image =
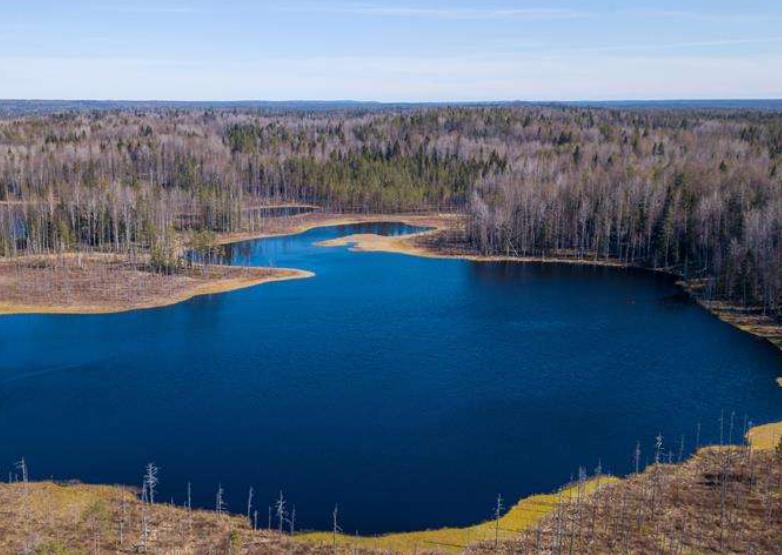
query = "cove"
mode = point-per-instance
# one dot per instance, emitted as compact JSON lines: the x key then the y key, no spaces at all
{"x":411,"y":391}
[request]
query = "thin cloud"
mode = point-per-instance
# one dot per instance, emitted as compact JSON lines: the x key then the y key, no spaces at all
{"x":666,"y":14}
{"x":683,"y":45}
{"x":710,"y":16}
{"x":129,"y":8}
{"x":374,"y":10}
{"x":520,"y":50}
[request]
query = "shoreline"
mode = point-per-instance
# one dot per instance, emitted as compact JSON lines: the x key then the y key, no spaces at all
{"x":738,"y":317}
{"x":120,"y":286}
{"x":314,"y":220}
{"x":524,"y":515}
{"x":761,"y":437}
{"x":744,"y":319}
{"x":216,"y":287}
{"x":410,"y":244}
{"x":65,"y":514}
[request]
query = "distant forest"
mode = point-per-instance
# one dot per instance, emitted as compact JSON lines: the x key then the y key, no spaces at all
{"x":697,"y":192}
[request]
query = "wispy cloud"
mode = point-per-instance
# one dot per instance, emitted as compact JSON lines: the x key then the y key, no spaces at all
{"x":666,"y":14}
{"x":377,"y":10}
{"x":131,"y":8}
{"x":510,"y":49}
{"x":684,"y":45}
{"x":693,"y":16}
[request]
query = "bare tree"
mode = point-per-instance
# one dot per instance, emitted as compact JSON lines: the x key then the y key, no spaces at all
{"x":497,"y":515}
{"x":335,"y":528}
{"x":281,"y":511}
{"x":249,"y":503}
{"x":151,"y":480}
{"x":219,"y":500}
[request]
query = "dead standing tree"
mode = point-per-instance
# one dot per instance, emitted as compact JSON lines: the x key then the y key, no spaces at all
{"x":335,"y":528}
{"x":151,"y":480}
{"x":281,"y":511}
{"x":497,"y":515}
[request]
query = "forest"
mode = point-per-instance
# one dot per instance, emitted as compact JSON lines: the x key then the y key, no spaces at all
{"x":694,"y":192}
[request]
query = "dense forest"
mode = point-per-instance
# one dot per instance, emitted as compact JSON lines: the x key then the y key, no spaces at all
{"x":694,"y":192}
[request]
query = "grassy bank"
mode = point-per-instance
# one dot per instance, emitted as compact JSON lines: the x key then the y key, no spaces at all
{"x":523,"y":515}
{"x":765,"y":437}
{"x":534,"y":513}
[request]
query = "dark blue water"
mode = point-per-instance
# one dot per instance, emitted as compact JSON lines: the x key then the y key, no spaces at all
{"x":411,"y":391}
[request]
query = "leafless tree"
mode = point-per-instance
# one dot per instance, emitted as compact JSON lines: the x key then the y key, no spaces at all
{"x":151,"y":480}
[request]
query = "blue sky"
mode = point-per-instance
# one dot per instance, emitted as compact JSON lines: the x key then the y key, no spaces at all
{"x":390,"y":50}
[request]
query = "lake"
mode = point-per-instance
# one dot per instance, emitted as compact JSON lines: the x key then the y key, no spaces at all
{"x":411,"y":391}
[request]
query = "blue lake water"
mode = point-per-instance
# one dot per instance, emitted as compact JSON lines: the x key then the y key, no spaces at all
{"x":410,"y":391}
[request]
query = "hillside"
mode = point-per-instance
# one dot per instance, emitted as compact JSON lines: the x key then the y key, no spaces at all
{"x":74,"y":519}
{"x":724,"y":500}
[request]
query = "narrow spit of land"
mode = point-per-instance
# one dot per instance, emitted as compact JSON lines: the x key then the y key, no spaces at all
{"x":103,"y":283}
{"x":722,"y":500}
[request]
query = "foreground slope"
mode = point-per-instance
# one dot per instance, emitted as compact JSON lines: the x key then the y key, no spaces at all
{"x":722,"y":500}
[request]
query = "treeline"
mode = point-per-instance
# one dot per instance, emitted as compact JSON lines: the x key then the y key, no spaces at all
{"x":694,"y":192}
{"x":123,"y":181}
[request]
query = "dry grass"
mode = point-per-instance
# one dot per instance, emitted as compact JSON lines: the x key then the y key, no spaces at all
{"x":48,"y":517}
{"x":767,"y":436}
{"x":100,"y":283}
{"x":725,"y":500}
{"x":59,"y":519}
{"x":525,"y":514}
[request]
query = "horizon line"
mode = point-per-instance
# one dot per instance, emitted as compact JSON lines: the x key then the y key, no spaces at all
{"x":398,"y":102}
